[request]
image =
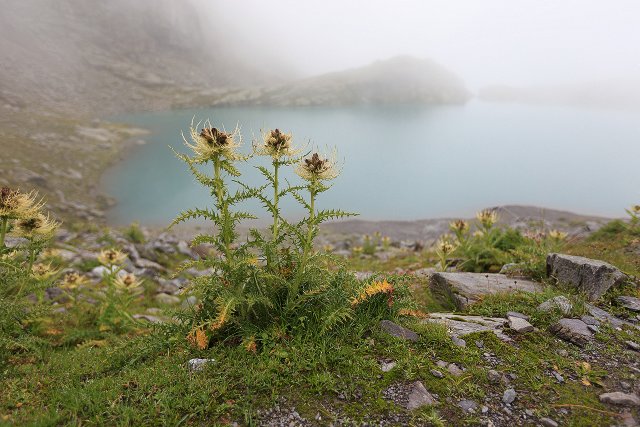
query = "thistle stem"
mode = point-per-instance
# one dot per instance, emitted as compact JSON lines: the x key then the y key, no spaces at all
{"x":308,"y":244}
{"x":3,"y":230}
{"x":225,"y":214}
{"x":276,"y":167}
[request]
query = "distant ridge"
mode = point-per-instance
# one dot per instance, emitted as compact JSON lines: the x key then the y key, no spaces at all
{"x":398,"y":80}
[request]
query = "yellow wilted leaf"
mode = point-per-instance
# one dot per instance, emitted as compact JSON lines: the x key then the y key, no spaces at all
{"x":104,"y":328}
{"x":585,"y":381}
{"x":586,"y":366}
{"x":555,"y":368}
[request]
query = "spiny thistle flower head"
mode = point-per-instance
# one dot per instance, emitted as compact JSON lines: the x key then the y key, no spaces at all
{"x":73,"y":280}
{"x":459,"y":226}
{"x":318,"y":168}
{"x":18,"y":205}
{"x":276,"y":144}
{"x":487,"y":217}
{"x":536,"y":236}
{"x":127,"y":282}
{"x":635,"y":209}
{"x":210,"y":143}
{"x":372,"y":289}
{"x":557,"y":235}
{"x":111,"y":257}
{"x":444,"y":245}
{"x":41,"y":271}
{"x":39,"y":226}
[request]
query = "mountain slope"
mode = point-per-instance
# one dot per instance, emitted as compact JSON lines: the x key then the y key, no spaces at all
{"x":399,"y":80}
{"x":110,"y":56}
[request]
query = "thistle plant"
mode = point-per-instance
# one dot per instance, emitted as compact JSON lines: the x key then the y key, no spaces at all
{"x":277,"y":146}
{"x":634,"y":217}
{"x":444,"y":248}
{"x":118,"y":291}
{"x":316,"y":170}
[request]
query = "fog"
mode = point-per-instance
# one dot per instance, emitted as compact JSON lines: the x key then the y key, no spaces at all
{"x":520,"y":43}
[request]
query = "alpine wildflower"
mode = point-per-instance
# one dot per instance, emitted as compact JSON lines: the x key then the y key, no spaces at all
{"x":41,"y":271}
{"x":557,"y":235}
{"x":109,"y":257}
{"x":211,"y":143}
{"x":37,"y":227}
{"x":276,"y":144}
{"x":372,"y":289}
{"x":487,"y":218}
{"x":317,"y":168}
{"x":128,"y":282}
{"x":73,"y":280}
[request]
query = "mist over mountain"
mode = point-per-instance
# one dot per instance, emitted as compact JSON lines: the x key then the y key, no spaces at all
{"x":113,"y":56}
{"x":619,"y":94}
{"x":399,"y":80}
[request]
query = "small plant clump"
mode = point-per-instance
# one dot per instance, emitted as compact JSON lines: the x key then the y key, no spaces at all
{"x":276,"y":283}
{"x":490,"y":246}
{"x":22,"y":217}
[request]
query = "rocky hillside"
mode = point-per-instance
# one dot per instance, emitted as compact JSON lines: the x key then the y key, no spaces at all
{"x":111,"y":56}
{"x":399,"y":80}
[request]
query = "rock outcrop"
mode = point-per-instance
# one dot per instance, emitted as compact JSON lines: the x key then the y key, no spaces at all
{"x":590,"y":276}
{"x":466,"y":288}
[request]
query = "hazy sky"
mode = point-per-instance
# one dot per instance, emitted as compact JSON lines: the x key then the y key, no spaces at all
{"x":521,"y":42}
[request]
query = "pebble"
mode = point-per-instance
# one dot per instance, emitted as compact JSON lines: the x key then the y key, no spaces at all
{"x":198,"y":364}
{"x":468,"y":405}
{"x":454,"y":370}
{"x":494,"y":376}
{"x":437,"y":373}
{"x":509,"y":396}
{"x":459,"y":342}
{"x":548,"y":422}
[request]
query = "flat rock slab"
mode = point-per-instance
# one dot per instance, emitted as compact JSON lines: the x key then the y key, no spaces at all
{"x":605,"y":316}
{"x":560,"y":302}
{"x":572,"y":330}
{"x":520,"y":325}
{"x":460,"y":325}
{"x":620,"y":398}
{"x":630,"y":303}
{"x":593,"y":277}
{"x":398,"y":331}
{"x":466,"y":288}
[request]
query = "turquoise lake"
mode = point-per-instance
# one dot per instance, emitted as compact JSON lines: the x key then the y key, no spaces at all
{"x":406,"y":162}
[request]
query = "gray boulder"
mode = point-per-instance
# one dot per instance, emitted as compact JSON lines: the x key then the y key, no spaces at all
{"x":398,"y":331}
{"x":590,"y":276}
{"x":466,"y":288}
{"x":461,"y":325}
{"x":519,"y":324}
{"x":572,"y":330}
{"x":560,"y":302}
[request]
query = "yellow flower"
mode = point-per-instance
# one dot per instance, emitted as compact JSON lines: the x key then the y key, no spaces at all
{"x":372,"y":289}
{"x":127,"y":282}
{"x":318,"y":168}
{"x":444,"y":245}
{"x":557,"y":235}
{"x":459,"y":226}
{"x":36,"y":227}
{"x":111,"y":257}
{"x":487,"y":217}
{"x":17,"y":205}
{"x":412,"y":313}
{"x":250,"y":345}
{"x":73,"y":280}
{"x":42,"y":271}
{"x":198,"y":338}
{"x":211,"y":142}
{"x":276,"y":144}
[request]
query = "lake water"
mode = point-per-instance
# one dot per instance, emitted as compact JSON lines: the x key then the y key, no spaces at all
{"x":408,"y":162}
